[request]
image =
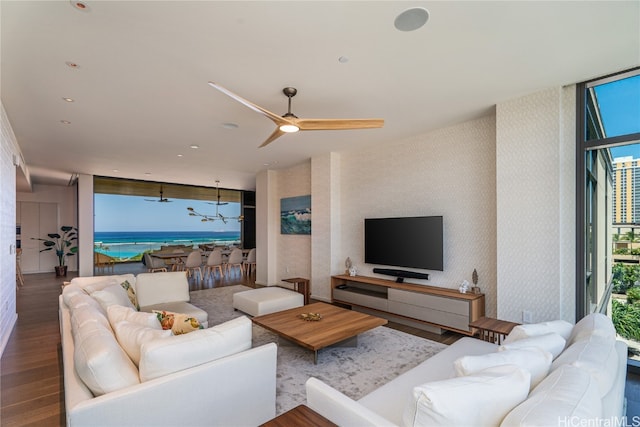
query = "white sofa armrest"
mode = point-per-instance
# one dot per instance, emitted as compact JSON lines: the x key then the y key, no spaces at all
{"x":178,"y":399}
{"x":339,"y":408}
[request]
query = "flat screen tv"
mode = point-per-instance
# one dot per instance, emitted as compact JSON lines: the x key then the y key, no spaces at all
{"x":414,"y":242}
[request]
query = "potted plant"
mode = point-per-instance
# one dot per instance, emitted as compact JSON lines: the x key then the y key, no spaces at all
{"x":63,"y":245}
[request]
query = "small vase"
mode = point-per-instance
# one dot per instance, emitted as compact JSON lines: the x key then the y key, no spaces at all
{"x":61,"y":270}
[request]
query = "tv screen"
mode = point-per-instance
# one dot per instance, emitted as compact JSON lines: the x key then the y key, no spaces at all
{"x":414,"y":242}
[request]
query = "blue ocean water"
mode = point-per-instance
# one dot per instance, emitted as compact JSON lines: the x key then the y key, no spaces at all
{"x":128,"y":244}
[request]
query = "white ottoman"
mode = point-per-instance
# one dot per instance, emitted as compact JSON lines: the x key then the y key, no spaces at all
{"x":266,"y":300}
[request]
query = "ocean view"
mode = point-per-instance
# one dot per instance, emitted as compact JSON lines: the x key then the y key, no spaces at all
{"x":126,"y":245}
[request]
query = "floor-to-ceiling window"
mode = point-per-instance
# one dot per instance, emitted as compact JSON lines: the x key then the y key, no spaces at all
{"x":608,"y":217}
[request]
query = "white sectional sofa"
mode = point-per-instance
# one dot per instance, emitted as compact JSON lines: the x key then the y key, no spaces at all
{"x":122,"y":369}
{"x":580,"y":378}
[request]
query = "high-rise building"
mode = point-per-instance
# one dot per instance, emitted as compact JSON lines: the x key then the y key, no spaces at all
{"x":626,"y":194}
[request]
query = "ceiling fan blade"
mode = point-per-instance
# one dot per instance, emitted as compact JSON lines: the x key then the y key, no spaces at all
{"x":276,"y":118}
{"x":337,"y":124}
{"x":275,"y":135}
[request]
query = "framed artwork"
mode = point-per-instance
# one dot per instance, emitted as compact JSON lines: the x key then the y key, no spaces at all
{"x":295,"y":215}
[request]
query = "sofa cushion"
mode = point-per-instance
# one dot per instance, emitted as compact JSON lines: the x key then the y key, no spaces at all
{"x":175,"y":353}
{"x":483,"y":398}
{"x":113,"y":294}
{"x":100,"y":361}
{"x":132,"y":335}
{"x":592,"y":324}
{"x":560,"y":327}
{"x":118,"y":313}
{"x":595,"y":354}
{"x":70,"y":291}
{"x":568,"y":393}
{"x":534,"y":360}
{"x":178,"y":323}
{"x":160,"y":288}
{"x":552,"y":342}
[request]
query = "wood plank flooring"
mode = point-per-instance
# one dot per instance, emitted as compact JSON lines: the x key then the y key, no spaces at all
{"x":31,"y":382}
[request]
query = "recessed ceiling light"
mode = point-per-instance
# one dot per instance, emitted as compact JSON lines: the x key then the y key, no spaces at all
{"x":68,"y":99}
{"x":343,"y":59}
{"x":411,"y":19}
{"x":65,"y":122}
{"x":194,"y":146}
{"x":179,"y":155}
{"x":79,"y":5}
{"x":72,"y":65}
{"x":147,"y":173}
{"x":230,"y":125}
{"x":116,"y":170}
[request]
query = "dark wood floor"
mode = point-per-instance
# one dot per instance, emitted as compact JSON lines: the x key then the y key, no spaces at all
{"x":31,"y":382}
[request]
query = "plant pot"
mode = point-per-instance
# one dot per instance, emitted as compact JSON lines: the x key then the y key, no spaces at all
{"x":61,"y":270}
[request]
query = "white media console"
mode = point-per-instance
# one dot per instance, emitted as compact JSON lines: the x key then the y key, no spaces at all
{"x":426,"y":307}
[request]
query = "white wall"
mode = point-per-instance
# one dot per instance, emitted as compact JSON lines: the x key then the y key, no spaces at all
{"x":535,"y":158}
{"x":8,"y":149}
{"x":66,"y":200}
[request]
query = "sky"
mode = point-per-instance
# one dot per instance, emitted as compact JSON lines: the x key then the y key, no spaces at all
{"x":619,"y":103}
{"x":133,"y":213}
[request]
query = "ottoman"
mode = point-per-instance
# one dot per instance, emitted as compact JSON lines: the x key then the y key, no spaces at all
{"x":267,"y":300}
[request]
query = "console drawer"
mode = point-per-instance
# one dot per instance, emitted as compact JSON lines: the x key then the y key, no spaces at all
{"x":433,"y":302}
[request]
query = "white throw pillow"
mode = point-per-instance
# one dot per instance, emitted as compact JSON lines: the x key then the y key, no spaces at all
{"x":100,"y":361}
{"x":118,"y":313}
{"x":70,"y":291}
{"x":100,"y":285}
{"x":177,"y":352}
{"x":535,"y":360}
{"x":596,"y":355}
{"x":482,"y":399}
{"x":569,"y":393}
{"x":131,"y":336}
{"x":82,"y":300}
{"x":592,"y":324}
{"x":86,"y":314}
{"x":553,"y":343}
{"x":110,"y":295}
{"x":560,"y":327}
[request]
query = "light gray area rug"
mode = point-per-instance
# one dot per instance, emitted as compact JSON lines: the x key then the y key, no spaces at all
{"x":381,"y":355}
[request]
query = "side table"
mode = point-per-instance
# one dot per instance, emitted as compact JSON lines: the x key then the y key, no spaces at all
{"x":301,"y":285}
{"x":301,"y":415}
{"x":492,"y":330}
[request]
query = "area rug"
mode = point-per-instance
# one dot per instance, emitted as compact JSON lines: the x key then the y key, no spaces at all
{"x":381,"y":355}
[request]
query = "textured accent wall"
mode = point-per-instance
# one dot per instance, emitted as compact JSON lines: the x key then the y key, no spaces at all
{"x":326,"y":230}
{"x":449,"y":172}
{"x":8,"y":149}
{"x":294,"y":251}
{"x":535,"y":162}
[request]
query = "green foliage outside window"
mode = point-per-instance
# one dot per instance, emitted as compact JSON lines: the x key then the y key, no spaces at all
{"x":625,"y":318}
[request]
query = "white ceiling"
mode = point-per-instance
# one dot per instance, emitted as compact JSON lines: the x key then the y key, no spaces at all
{"x":141,"y":95}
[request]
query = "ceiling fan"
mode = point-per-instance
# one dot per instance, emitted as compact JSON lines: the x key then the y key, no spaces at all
{"x":218,"y":203}
{"x":161,"y":200}
{"x":290,"y":123}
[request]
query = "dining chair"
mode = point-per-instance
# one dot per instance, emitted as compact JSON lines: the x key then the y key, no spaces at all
{"x":250,"y":262}
{"x":19,"y":276}
{"x":235,"y":260}
{"x":214,"y":262}
{"x":194,"y":263}
{"x":154,"y":264}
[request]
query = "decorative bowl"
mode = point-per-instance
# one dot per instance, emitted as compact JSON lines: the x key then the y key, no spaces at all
{"x":309,"y":317}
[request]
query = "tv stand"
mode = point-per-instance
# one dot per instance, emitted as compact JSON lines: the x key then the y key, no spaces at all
{"x":432,"y":307}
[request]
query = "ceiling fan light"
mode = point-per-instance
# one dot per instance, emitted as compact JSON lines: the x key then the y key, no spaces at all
{"x":289,"y":128}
